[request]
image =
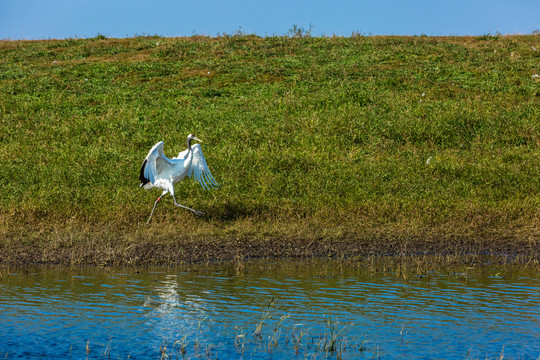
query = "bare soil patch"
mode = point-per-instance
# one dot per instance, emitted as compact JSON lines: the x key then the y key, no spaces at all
{"x":105,"y":250}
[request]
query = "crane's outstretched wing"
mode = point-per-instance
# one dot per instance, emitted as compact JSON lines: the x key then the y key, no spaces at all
{"x":199,"y":169}
{"x":182,"y":154}
{"x":155,"y":163}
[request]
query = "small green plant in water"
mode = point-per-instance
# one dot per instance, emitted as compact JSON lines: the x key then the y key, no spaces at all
{"x":263,"y":318}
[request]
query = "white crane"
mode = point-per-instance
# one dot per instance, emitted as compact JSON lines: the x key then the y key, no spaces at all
{"x":161,"y":172}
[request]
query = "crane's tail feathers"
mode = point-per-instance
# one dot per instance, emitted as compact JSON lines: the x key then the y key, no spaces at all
{"x":144,"y":176}
{"x":147,"y":186}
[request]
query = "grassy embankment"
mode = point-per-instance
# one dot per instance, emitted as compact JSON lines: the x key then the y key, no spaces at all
{"x":316,"y":141}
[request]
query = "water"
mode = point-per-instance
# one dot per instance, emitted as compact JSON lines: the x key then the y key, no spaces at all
{"x":327,"y":309}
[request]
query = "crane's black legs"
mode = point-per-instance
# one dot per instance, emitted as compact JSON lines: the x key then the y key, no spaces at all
{"x":155,"y":204}
{"x":197,"y":212}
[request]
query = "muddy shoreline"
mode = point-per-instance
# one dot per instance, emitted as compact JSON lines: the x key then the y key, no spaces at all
{"x":139,"y":253}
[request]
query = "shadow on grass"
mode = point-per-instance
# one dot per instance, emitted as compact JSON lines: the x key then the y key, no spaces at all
{"x":234,"y":210}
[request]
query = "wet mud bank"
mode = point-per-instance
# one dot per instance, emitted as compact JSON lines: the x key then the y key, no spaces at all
{"x":104,"y":252}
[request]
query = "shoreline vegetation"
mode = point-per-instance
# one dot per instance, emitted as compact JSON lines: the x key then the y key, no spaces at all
{"x":323,"y":146}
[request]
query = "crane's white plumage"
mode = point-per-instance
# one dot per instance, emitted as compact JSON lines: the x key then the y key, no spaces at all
{"x":158,"y":171}
{"x":199,"y":168}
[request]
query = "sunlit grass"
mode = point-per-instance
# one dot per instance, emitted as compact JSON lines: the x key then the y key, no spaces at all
{"x":307,"y":135}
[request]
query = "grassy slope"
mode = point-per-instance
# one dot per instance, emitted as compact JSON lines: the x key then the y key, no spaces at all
{"x":309,"y":137}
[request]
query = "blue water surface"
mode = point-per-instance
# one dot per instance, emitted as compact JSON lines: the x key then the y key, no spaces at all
{"x":306,"y":310}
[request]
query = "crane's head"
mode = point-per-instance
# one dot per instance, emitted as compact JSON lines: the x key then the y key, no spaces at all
{"x":192,"y":137}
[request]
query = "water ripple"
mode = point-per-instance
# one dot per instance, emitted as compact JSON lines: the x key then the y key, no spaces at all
{"x":49,"y":314}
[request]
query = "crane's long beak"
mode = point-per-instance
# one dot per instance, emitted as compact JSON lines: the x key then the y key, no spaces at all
{"x":196,"y":138}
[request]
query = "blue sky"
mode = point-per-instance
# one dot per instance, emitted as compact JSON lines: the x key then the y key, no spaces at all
{"x":44,"y":19}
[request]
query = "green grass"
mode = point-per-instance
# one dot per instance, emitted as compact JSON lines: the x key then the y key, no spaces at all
{"x":309,"y":136}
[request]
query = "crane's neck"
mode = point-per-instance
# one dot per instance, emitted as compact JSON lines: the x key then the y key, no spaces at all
{"x":189,"y":152}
